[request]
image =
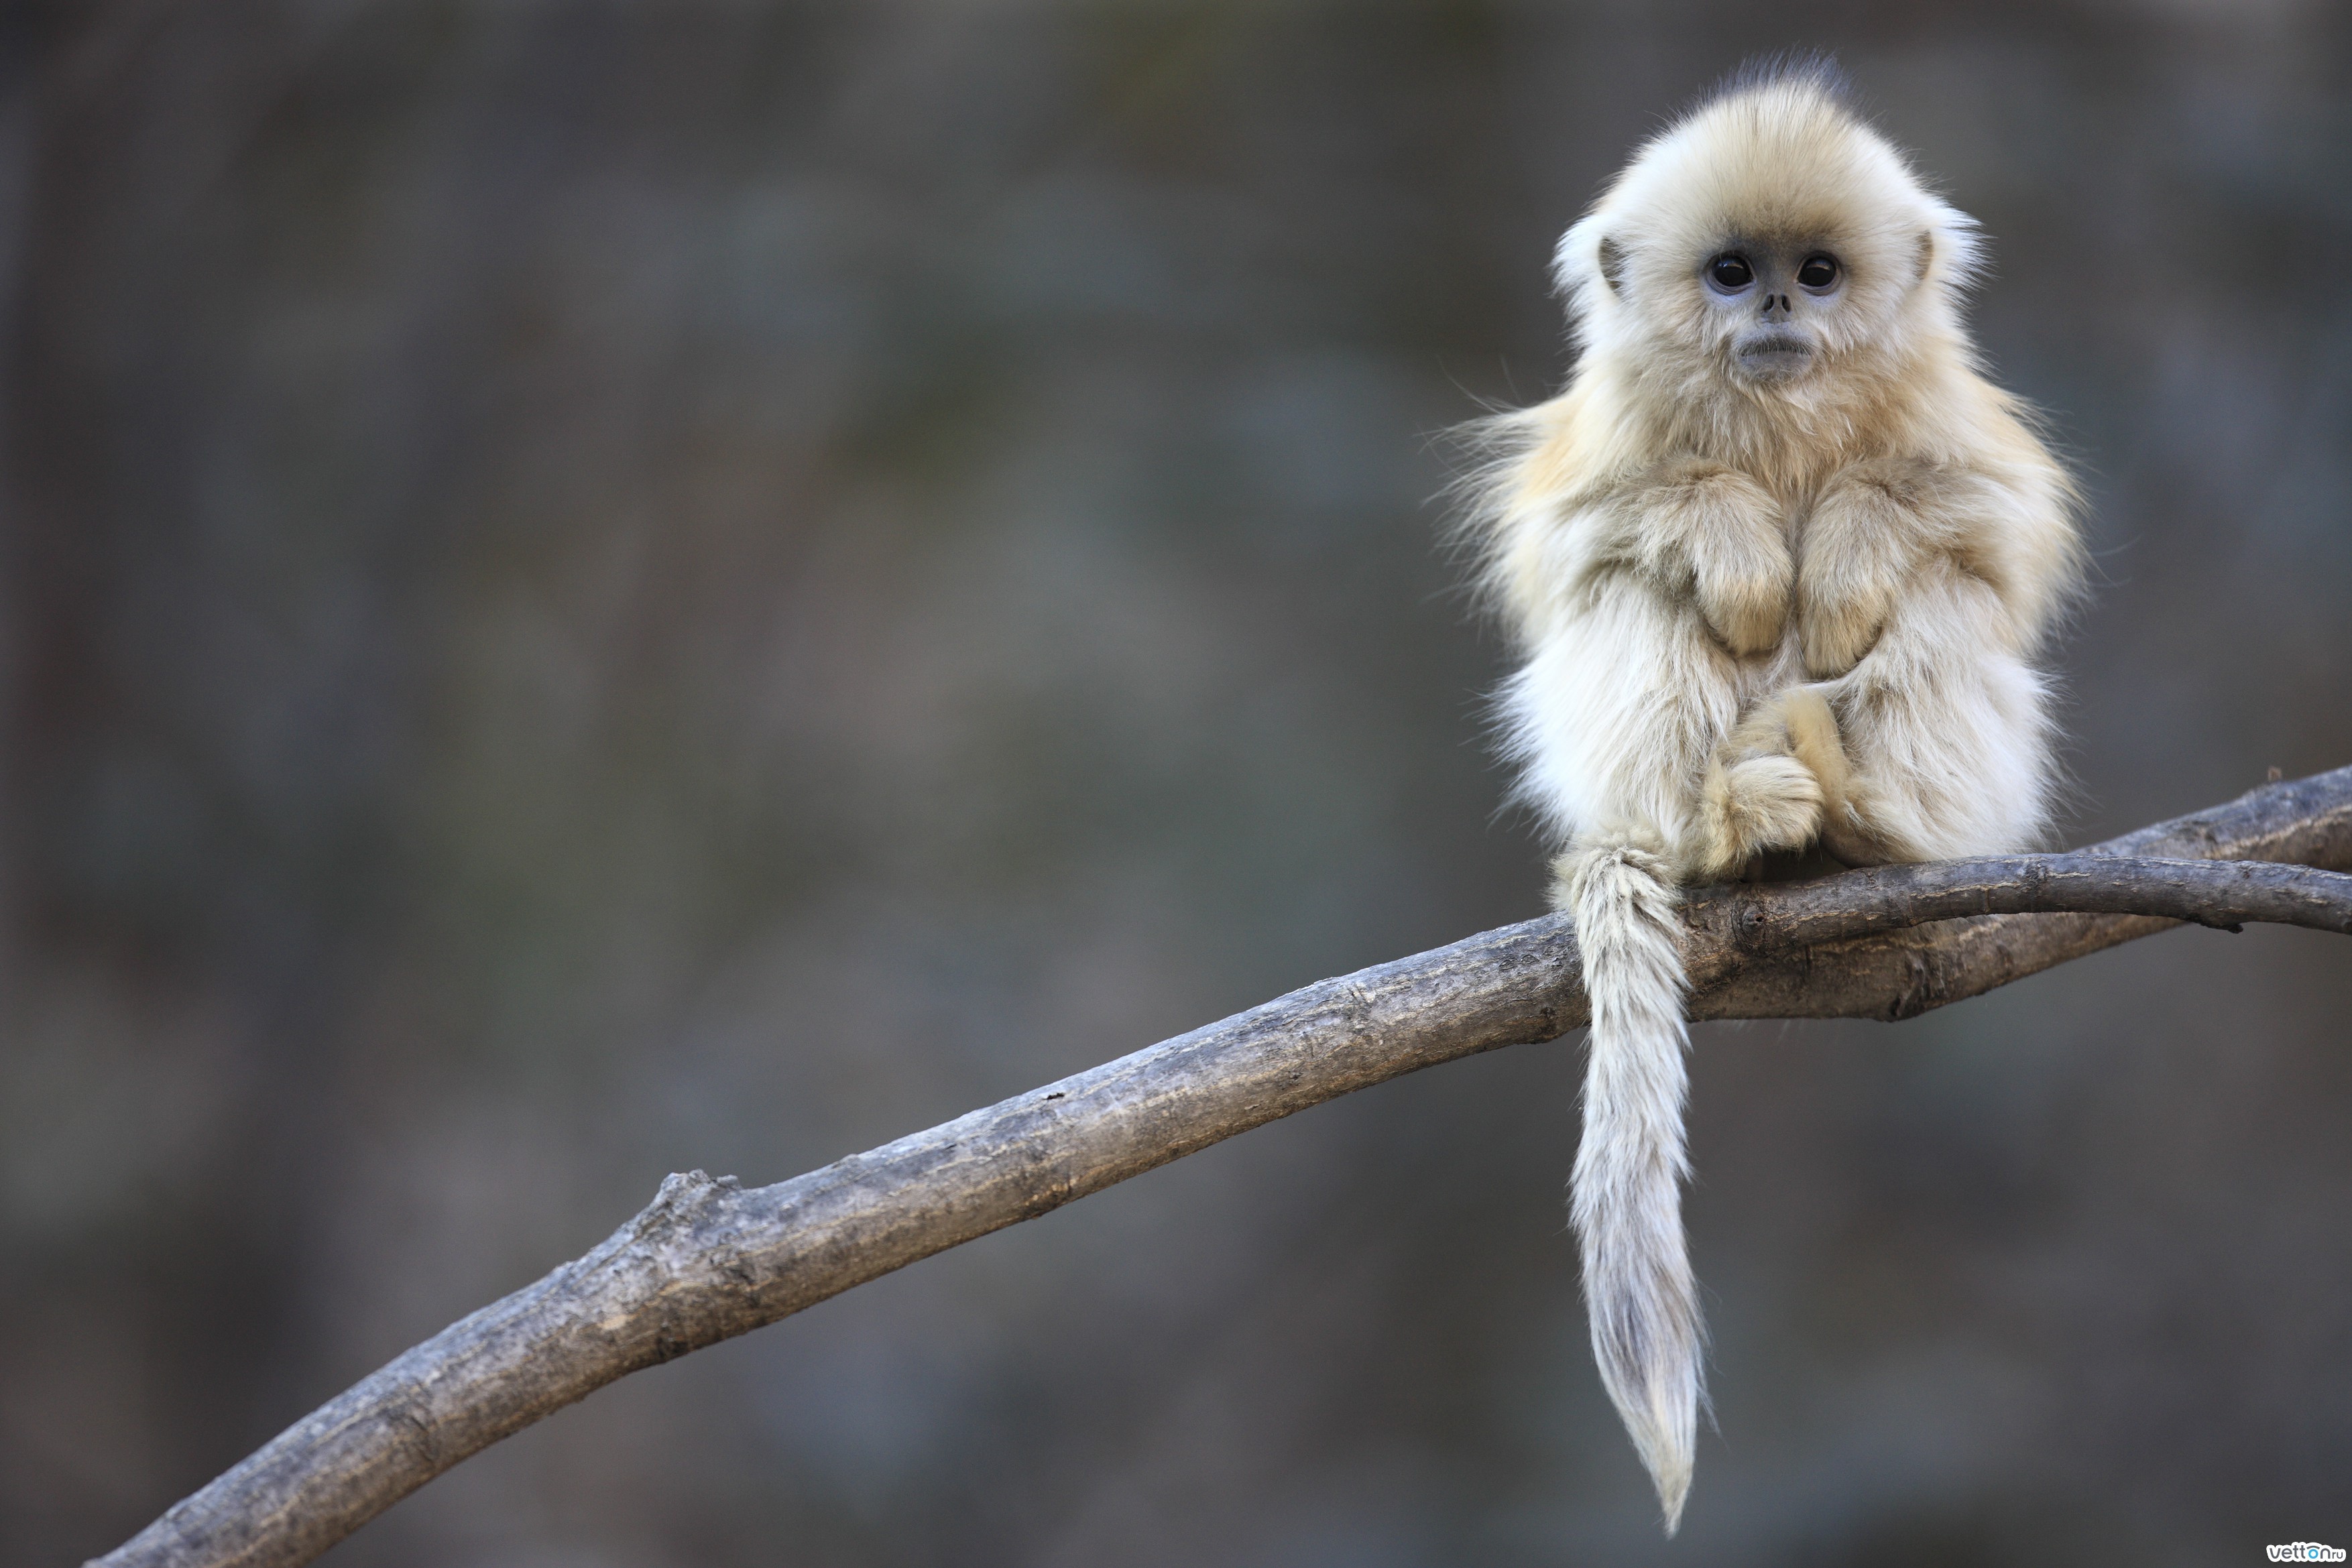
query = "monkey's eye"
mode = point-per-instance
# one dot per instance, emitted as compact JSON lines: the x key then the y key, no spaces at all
{"x":1818,"y":271}
{"x":1730,"y":272}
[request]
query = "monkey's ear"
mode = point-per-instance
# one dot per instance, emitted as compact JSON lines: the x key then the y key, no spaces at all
{"x":1612,"y":264}
{"x":1926,"y":252}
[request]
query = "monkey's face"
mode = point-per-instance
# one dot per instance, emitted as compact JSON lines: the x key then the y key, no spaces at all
{"x":1764,"y":295}
{"x":1772,"y":306}
{"x":1770,"y":246}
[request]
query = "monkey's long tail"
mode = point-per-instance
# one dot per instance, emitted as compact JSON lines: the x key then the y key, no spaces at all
{"x":1626,"y":1194}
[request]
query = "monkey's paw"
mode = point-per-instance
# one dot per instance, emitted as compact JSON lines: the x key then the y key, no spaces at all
{"x":1719,"y":536}
{"x":1835,"y":635}
{"x":1798,"y":721}
{"x":1772,"y":803}
{"x":1861,"y":543}
{"x":1747,"y":609}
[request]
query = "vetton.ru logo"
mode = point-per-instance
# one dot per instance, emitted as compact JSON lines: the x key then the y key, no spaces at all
{"x":2305,"y":1551}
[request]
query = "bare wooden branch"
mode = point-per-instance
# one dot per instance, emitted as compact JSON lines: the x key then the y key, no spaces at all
{"x":709,"y":1259}
{"x":1903,"y":973}
{"x":2223,"y":894}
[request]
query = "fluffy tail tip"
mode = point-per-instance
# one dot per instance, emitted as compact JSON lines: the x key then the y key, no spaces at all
{"x":1665,"y":1445}
{"x":1673,"y":1482}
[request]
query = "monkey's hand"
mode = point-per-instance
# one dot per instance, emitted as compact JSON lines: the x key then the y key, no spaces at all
{"x":1781,"y":780}
{"x":1705,"y":531}
{"x":1800,"y":718}
{"x":1765,"y":787}
{"x":1866,"y":535}
{"x":1750,"y":805}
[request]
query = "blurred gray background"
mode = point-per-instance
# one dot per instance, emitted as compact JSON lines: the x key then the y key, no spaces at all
{"x":593,"y":590}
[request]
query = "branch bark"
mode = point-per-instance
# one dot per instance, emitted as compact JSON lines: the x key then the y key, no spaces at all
{"x":709,"y":1259}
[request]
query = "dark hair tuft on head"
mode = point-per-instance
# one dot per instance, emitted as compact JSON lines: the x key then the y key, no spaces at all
{"x":1816,"y":69}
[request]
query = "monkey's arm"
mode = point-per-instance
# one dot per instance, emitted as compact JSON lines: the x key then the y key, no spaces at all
{"x":1943,"y":726}
{"x":2004,"y":520}
{"x":1870,"y":530}
{"x":1921,"y":590}
{"x":1631,"y":685}
{"x":1712,"y":536}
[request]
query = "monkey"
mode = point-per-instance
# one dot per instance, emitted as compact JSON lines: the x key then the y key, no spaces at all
{"x":1778,"y":563}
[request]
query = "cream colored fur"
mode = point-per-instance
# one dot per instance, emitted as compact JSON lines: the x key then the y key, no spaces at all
{"x":1758,"y":613}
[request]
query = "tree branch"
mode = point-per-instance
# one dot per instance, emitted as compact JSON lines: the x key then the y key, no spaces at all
{"x":2223,"y":894}
{"x":709,"y":1259}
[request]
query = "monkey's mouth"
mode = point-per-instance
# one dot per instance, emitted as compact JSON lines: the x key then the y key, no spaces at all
{"x":1771,"y":356}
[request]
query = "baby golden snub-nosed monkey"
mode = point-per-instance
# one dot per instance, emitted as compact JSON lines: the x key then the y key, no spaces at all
{"x":1777,"y":562}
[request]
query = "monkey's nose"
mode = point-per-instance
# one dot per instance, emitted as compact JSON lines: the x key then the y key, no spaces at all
{"x":1776,"y":305}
